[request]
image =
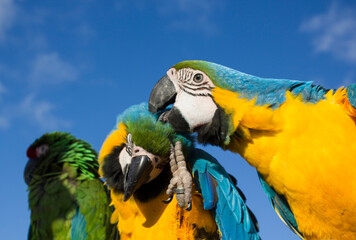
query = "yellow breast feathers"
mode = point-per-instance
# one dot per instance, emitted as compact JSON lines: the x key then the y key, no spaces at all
{"x":157,"y":220}
{"x":306,"y":152}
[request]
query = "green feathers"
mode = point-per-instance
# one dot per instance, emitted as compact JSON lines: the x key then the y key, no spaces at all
{"x":66,"y":197}
{"x":148,"y":133}
{"x":66,"y":155}
{"x":144,"y":130}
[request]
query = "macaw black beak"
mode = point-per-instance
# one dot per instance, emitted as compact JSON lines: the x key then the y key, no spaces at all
{"x":137,"y":174}
{"x":29,"y":169}
{"x":163,"y":94}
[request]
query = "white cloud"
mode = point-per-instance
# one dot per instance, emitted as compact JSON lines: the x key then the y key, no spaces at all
{"x":38,"y":113}
{"x":7,"y":16}
{"x":191,"y":15}
{"x":186,"y":15}
{"x":2,"y":90}
{"x":49,"y":68}
{"x":41,"y":114}
{"x":4,"y":123}
{"x":334,"y":32}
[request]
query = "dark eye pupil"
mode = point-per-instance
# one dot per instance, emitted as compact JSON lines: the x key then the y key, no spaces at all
{"x":198,"y":77}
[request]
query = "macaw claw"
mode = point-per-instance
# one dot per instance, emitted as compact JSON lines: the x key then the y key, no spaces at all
{"x":182,"y":182}
{"x":189,"y":206}
{"x":168,"y":200}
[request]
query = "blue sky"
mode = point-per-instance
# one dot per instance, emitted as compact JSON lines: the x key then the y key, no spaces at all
{"x":74,"y":65}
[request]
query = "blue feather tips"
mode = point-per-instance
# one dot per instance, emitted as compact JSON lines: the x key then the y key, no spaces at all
{"x":222,"y":197}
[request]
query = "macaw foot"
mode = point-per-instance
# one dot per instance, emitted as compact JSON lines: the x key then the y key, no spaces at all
{"x":182,"y":182}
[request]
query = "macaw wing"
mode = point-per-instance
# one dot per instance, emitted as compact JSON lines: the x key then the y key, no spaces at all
{"x":52,"y":209}
{"x":78,"y":226}
{"x":234,"y":219}
{"x":93,"y":216}
{"x":281,"y":207}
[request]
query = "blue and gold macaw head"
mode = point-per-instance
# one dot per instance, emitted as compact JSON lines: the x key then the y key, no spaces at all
{"x":137,"y":150}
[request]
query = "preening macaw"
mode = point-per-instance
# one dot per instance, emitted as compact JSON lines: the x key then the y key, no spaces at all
{"x":300,"y":137}
{"x":66,"y":197}
{"x":142,"y":159}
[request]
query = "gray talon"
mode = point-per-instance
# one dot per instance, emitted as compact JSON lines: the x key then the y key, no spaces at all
{"x":189,"y":206}
{"x":168,"y":200}
{"x":181,"y":183}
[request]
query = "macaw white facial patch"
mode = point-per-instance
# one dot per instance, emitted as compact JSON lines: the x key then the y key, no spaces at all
{"x":193,"y":98}
{"x":124,"y":159}
{"x":196,"y":110}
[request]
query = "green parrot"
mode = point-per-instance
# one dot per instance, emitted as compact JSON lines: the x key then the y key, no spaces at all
{"x":66,"y":197}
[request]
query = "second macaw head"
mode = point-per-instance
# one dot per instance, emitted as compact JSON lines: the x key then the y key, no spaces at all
{"x":188,"y":86}
{"x":136,"y":153}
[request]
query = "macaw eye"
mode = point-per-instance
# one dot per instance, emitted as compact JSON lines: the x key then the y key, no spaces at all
{"x":41,"y":150}
{"x":198,"y":78}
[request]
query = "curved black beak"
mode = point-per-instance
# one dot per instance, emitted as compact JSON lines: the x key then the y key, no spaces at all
{"x":29,"y":169}
{"x":163,"y":94}
{"x":137,"y":174}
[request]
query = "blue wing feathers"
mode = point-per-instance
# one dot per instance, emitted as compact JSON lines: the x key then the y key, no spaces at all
{"x":351,"y":94}
{"x":267,"y":91}
{"x":230,"y":211}
{"x":206,"y":186}
{"x":281,"y":206}
{"x":78,"y":227}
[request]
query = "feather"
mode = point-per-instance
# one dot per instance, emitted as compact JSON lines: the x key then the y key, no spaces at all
{"x":267,"y":91}
{"x":281,"y":207}
{"x":66,"y":197}
{"x":222,"y":197}
{"x":78,"y":227}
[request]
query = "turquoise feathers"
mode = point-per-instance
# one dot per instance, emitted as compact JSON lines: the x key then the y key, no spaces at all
{"x":267,"y":91}
{"x":234,"y":219}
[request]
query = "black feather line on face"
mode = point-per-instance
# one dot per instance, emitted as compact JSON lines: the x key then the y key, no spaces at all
{"x":215,"y":132}
{"x":195,"y":88}
{"x":112,"y":170}
{"x":196,"y":94}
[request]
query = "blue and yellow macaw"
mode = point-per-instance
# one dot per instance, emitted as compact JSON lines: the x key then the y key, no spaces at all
{"x":136,"y":160}
{"x":66,"y":197}
{"x":300,"y":137}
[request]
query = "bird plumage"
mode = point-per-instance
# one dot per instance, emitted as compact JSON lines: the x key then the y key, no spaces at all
{"x":66,"y":197}
{"x":217,"y":205}
{"x":300,"y":137}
